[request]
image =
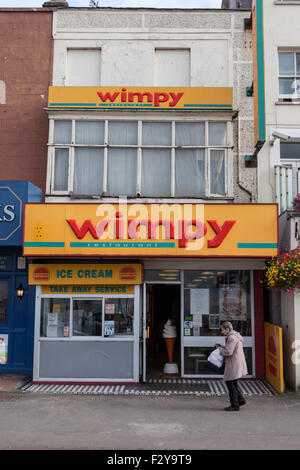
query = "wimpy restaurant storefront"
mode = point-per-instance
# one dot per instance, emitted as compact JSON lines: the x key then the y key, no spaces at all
{"x":109,"y":276}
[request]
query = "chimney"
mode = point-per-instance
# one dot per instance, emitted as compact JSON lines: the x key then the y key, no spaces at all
{"x":55,"y":4}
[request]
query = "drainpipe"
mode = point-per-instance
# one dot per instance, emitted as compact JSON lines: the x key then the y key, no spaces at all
{"x":238,"y":158}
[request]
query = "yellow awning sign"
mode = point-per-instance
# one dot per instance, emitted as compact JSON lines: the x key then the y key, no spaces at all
{"x":141,"y":98}
{"x":88,"y":274}
{"x":154,"y":230}
{"x":88,"y":289}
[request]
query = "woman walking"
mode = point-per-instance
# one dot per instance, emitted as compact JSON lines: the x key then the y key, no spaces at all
{"x":235,"y":365}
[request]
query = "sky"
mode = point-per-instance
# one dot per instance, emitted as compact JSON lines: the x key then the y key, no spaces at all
{"x":120,"y":3}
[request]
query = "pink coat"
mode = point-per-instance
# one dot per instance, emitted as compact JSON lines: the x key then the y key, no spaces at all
{"x":235,"y":362}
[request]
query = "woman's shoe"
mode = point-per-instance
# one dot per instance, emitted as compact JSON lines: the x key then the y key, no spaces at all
{"x":232,"y":408}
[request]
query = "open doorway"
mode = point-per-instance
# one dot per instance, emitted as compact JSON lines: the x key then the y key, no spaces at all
{"x":163,"y":303}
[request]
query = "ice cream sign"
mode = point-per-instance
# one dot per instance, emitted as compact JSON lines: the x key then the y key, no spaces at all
{"x":85,"y":274}
{"x":135,"y":230}
{"x":179,"y":98}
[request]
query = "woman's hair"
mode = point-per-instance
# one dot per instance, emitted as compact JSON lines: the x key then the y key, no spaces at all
{"x":226,"y":325}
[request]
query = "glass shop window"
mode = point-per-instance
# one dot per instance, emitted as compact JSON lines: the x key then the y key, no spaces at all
{"x":196,"y":363}
{"x":55,"y":318}
{"x":118,"y":317}
{"x":212,"y":297}
{"x":87,"y":317}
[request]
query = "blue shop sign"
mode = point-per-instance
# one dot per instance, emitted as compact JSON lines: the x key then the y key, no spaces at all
{"x":13,"y":195}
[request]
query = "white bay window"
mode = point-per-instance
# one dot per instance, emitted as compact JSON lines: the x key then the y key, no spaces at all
{"x":153,"y":159}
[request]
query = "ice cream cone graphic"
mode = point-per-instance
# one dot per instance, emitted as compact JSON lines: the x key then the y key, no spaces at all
{"x":170,"y":348}
{"x":169,"y":335}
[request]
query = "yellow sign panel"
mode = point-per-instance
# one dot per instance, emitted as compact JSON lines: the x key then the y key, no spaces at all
{"x":179,"y":98}
{"x":84,"y":274}
{"x":273,"y":356}
{"x":156,"y":230}
{"x":88,"y":290}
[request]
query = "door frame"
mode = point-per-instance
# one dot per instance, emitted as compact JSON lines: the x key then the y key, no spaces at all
{"x":179,"y":283}
{"x":185,"y":341}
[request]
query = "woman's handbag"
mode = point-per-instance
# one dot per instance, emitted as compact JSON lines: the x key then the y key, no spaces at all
{"x":216,"y":358}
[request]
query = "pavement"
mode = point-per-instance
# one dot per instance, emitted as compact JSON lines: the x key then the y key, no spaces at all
{"x":37,"y":421}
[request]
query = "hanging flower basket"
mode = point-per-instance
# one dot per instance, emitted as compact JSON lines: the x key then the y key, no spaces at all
{"x":282,"y":272}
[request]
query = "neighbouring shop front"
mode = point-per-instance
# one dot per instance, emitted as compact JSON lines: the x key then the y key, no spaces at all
{"x":109,"y":277}
{"x":17,"y":299}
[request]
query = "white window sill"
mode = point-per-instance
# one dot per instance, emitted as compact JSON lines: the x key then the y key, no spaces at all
{"x":297,"y":2}
{"x":288,"y":103}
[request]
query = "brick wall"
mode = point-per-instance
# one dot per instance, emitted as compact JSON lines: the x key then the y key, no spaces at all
{"x":25,"y":75}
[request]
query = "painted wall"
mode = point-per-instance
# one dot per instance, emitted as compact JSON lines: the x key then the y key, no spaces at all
{"x":25,"y":74}
{"x":281,"y":30}
{"x":220,"y":55}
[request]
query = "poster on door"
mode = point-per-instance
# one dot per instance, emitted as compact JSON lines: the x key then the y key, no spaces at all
{"x":3,"y":349}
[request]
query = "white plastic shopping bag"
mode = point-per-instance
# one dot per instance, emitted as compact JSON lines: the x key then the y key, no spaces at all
{"x":216,"y":358}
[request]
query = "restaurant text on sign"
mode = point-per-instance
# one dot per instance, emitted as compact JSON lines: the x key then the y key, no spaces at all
{"x":184,"y":234}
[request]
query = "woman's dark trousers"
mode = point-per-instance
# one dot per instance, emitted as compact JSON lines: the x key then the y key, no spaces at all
{"x":235,"y":396}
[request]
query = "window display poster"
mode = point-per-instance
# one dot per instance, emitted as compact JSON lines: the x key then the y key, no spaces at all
{"x":214,"y":322}
{"x":3,"y":349}
{"x":109,"y":328}
{"x":233,"y":304}
{"x":110,"y":309}
{"x":199,"y":304}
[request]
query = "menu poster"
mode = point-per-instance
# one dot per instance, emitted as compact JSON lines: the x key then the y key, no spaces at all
{"x":199,"y":304}
{"x":110,"y":309}
{"x":109,"y":328}
{"x":3,"y":348}
{"x":233,"y":304}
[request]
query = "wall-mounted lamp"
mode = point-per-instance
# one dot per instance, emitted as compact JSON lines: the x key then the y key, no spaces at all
{"x":20,"y":291}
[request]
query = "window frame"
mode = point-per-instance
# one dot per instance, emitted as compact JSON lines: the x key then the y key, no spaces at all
{"x":227,"y":147}
{"x":295,"y":76}
{"x":97,"y":297}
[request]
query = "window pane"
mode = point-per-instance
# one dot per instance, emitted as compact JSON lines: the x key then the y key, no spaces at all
{"x":298,"y":64}
{"x":61,"y":168}
{"x":118,"y":318}
{"x":172,"y":67}
{"x":89,"y":132}
{"x":3,"y":301}
{"x":83,"y":67}
{"x":217,"y":133}
{"x":286,"y":86}
{"x":62,"y":132}
{"x":88,"y":171}
{"x":289,"y":150}
{"x":122,"y":133}
{"x":217,"y":172}
{"x":286,"y":63}
{"x":87,"y":317}
{"x":157,"y":133}
{"x":190,"y":173}
{"x":212,"y":297}
{"x":121,"y":172}
{"x":156,"y":173}
{"x":55,"y":318}
{"x":195,"y":361}
{"x":190,"y":133}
